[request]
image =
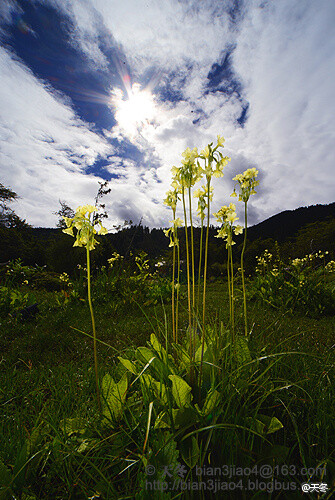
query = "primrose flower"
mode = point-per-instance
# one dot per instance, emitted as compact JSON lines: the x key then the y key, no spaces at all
{"x":115,"y":257}
{"x":86,"y":209}
{"x":202,"y":195}
{"x":171,"y":232}
{"x":247,"y":182}
{"x":212,"y":155}
{"x":220,"y":141}
{"x":227,"y":216}
{"x":84,"y":226}
{"x":189,"y":173}
{"x":330,"y":267}
{"x":171,"y":198}
{"x":205,"y":152}
{"x":190,"y":155}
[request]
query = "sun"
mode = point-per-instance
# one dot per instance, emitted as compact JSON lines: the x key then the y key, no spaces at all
{"x":134,"y":113}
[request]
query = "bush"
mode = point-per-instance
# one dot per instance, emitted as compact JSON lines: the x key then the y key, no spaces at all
{"x":305,"y":284}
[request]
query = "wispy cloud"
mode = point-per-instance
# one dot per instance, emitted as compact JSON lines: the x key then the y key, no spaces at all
{"x":45,"y":146}
{"x":259,"y":73}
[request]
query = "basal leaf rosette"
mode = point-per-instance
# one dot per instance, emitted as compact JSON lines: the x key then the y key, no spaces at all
{"x":85,"y":231}
{"x":247,"y":183}
{"x":226,"y":216}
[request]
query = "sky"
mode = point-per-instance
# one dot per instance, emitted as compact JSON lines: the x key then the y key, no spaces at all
{"x":94,"y":90}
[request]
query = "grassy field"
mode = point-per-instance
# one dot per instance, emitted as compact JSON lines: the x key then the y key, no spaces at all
{"x":54,"y":444}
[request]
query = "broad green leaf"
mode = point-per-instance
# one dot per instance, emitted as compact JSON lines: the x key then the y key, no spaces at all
{"x":158,"y":388}
{"x":190,"y":452}
{"x":184,"y":417}
{"x":155,"y":344}
{"x":272,"y":424}
{"x":181,"y":391}
{"x":86,"y":444}
{"x":144,"y":354}
{"x":212,"y":400}
{"x":114,"y":395}
{"x":167,"y":451}
{"x":242,"y":352}
{"x":162,"y":421}
{"x":128,"y":364}
{"x":72,"y":426}
{"x":197,"y":356}
{"x":264,"y":424}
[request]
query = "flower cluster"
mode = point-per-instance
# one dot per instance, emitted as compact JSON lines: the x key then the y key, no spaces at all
{"x":264,"y":261}
{"x":115,"y":257}
{"x":330,"y":267}
{"x":171,"y":232}
{"x":202,"y":195}
{"x":64,"y":277}
{"x":299,"y":263}
{"x":211,"y":155}
{"x":171,"y":199}
{"x":227,"y":216}
{"x":84,"y":226}
{"x":247,"y":182}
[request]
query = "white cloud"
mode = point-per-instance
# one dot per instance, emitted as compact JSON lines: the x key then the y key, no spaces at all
{"x":284,"y":57}
{"x":45,"y":146}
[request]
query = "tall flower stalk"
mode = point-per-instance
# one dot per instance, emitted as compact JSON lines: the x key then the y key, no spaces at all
{"x":85,"y":237}
{"x":171,"y":201}
{"x":226,"y":216}
{"x":247,"y":183}
{"x":184,"y":178}
{"x":201,"y":195}
{"x":211,"y":156}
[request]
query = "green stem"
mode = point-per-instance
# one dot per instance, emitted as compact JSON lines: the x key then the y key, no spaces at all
{"x":242,"y":271}
{"x":93,"y":327}
{"x":206,"y":257}
{"x":173,"y":277}
{"x":229,"y":287}
{"x":188,"y":277}
{"x":178,"y":287}
{"x":192,"y":255}
{"x":199,"y":272}
{"x":232,"y":292}
{"x":205,"y":279}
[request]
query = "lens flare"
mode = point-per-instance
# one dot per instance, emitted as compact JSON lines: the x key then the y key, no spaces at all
{"x":134,"y":113}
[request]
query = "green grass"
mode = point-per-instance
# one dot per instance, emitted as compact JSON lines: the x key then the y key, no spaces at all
{"x":47,"y":376}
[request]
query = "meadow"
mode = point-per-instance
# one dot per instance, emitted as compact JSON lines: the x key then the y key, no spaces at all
{"x":125,"y":383}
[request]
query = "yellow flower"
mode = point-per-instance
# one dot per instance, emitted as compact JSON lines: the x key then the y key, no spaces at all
{"x":86,"y":208}
{"x":102,"y":229}
{"x":177,"y":222}
{"x":69,"y":231}
{"x":231,"y":217}
{"x":84,"y":226}
{"x":238,"y":230}
{"x":220,"y":141}
{"x":247,"y":182}
{"x":190,"y":155}
{"x":205,"y":152}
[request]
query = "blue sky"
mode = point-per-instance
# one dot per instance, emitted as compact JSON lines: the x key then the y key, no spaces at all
{"x":97,"y":89}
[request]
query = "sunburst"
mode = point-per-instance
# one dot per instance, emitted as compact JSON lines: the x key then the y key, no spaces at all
{"x":135,"y":112}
